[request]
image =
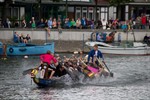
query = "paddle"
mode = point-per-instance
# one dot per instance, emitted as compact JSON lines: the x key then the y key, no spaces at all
{"x":28,"y":71}
{"x":104,"y":65}
{"x":71,"y":74}
{"x":111,"y":74}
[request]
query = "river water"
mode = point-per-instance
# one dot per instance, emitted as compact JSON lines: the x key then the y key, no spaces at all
{"x":131,"y":81}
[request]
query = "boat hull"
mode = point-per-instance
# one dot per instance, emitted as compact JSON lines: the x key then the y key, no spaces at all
{"x":115,"y":50}
{"x":44,"y":82}
{"x":29,"y":49}
{"x":125,"y":51}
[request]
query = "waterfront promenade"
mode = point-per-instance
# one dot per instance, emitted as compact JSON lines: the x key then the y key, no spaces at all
{"x":69,"y":40}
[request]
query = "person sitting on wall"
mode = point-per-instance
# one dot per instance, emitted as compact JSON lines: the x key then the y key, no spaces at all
{"x":41,"y":23}
{"x":23,"y":38}
{"x":28,"y":38}
{"x":16,"y":37}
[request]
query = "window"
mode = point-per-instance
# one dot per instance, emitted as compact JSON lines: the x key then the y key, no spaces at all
{"x":78,"y":12}
{"x":84,"y":12}
{"x":104,"y":13}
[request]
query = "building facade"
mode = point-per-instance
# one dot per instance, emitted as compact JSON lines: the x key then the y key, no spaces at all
{"x":20,"y":9}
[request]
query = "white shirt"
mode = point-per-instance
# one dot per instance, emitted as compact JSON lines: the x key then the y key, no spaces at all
{"x":96,"y":53}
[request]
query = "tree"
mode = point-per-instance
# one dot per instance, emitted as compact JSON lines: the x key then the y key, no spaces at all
{"x":6,"y":4}
{"x":96,"y":1}
{"x":118,"y":4}
{"x":39,"y":2}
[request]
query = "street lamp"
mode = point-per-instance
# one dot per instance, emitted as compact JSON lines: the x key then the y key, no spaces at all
{"x":66,"y":8}
{"x":1,"y":0}
{"x":96,"y":1}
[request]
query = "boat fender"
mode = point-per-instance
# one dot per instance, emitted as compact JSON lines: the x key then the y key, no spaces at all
{"x":11,"y":50}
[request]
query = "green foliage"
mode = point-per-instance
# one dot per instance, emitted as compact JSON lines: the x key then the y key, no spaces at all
{"x":57,"y":0}
{"x":119,"y":2}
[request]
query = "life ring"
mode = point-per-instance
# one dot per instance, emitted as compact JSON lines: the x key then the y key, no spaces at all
{"x":11,"y":50}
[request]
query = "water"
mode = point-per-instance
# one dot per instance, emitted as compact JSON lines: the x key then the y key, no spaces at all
{"x":131,"y":81}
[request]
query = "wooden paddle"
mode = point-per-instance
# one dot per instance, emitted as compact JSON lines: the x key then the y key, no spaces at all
{"x":103,"y":64}
{"x":28,"y":71}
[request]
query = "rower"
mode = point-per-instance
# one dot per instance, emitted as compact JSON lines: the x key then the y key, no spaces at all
{"x":95,"y":53}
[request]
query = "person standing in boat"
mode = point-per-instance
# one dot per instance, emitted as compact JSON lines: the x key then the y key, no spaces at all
{"x":49,"y":59}
{"x":95,"y":53}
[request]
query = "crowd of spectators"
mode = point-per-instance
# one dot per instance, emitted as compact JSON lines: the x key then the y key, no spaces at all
{"x":140,"y":22}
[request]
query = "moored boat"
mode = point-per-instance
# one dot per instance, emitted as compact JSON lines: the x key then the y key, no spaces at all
{"x":29,"y":49}
{"x":1,"y":48}
{"x":136,"y":49}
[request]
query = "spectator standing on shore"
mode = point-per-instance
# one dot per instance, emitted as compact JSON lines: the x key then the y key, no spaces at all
{"x":99,"y":24}
{"x":23,"y":24}
{"x":104,"y":23}
{"x":124,"y":26}
{"x":149,"y":22}
{"x":83,"y":23}
{"x":143,"y":19}
{"x":73,"y":24}
{"x":115,"y":24}
{"x":92,"y":24}
{"x":54,"y":23}
{"x":50,"y":23}
{"x":109,"y":24}
{"x":138,"y":22}
{"x":59,"y":23}
{"x":130,"y":24}
{"x":78,"y":23}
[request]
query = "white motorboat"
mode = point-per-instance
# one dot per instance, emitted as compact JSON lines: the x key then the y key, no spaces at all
{"x":137,"y":48}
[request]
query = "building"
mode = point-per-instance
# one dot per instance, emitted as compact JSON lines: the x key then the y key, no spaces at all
{"x":20,"y":9}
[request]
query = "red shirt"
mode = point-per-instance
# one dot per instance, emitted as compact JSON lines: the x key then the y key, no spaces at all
{"x":47,"y":58}
{"x":144,"y":20}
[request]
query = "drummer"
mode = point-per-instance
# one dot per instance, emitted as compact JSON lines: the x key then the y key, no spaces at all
{"x":49,"y":59}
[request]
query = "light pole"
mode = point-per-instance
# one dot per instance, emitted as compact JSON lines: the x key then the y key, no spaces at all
{"x":66,"y":8}
{"x":96,"y":1}
{"x":39,"y":6}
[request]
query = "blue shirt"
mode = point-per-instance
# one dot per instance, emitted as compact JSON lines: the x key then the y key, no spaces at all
{"x":16,"y":39}
{"x":50,"y":23}
{"x":92,"y":54}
